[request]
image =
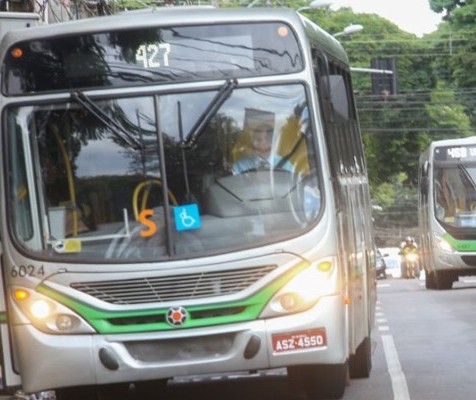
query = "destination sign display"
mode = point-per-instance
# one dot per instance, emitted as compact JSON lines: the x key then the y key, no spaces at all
{"x":151,"y":55}
{"x":448,"y":153}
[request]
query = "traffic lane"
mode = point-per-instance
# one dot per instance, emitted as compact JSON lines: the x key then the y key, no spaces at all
{"x":273,"y":385}
{"x":378,"y":385}
{"x":259,"y":386}
{"x":435,"y":336}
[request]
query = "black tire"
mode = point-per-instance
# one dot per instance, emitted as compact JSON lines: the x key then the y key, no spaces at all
{"x":319,"y":381}
{"x":115,"y":391}
{"x":443,"y":280}
{"x":77,"y":393}
{"x":360,"y":363}
{"x":430,"y":280}
{"x":153,"y":389}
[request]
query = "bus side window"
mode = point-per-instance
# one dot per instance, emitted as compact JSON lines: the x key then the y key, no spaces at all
{"x":19,"y":194}
{"x":338,"y":96}
{"x":321,"y":74}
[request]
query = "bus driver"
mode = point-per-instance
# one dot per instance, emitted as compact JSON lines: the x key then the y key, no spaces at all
{"x":262,"y":156}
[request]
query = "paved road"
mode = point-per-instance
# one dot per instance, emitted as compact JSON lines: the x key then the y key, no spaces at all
{"x":424,"y":348}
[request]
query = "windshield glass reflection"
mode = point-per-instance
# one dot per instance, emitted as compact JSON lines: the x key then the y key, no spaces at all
{"x":455,"y":195}
{"x":249,"y":178}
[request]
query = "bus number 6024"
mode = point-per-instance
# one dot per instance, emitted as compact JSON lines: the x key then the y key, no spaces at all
{"x":22,"y":271}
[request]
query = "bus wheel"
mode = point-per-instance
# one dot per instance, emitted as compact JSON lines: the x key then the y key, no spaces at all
{"x":443,"y":280}
{"x":77,"y":393}
{"x":430,"y":280}
{"x":113,"y":391}
{"x":156,"y":388}
{"x":319,"y":381}
{"x":360,"y":363}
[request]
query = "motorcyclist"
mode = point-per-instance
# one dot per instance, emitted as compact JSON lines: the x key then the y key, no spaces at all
{"x":410,"y":258}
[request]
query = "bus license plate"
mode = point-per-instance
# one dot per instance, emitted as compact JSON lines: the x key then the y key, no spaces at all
{"x":299,"y":340}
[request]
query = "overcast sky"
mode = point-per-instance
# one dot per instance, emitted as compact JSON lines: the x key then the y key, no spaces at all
{"x":414,"y":16}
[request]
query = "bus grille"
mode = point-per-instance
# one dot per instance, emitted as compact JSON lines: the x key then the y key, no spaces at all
{"x":174,"y":287}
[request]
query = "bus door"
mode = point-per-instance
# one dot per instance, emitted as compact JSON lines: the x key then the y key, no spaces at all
{"x":8,"y":375}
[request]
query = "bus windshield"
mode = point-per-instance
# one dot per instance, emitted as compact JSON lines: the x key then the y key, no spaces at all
{"x":455,"y":194}
{"x":133,"y":178}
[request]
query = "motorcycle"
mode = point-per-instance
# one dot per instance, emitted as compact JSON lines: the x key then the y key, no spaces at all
{"x":412,"y":269}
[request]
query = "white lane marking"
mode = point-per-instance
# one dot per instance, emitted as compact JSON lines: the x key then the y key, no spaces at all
{"x":383,"y":328}
{"x":381,"y":285}
{"x":381,"y":320}
{"x":399,"y":382}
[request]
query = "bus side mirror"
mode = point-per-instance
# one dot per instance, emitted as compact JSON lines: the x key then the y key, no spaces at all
{"x":424,"y":185}
{"x":424,"y":178}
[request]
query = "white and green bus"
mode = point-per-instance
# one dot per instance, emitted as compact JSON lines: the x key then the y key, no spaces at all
{"x":447,"y":211}
{"x":132,"y":249}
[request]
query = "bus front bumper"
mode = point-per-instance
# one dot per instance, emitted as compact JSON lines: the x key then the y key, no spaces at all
{"x":463,"y":263}
{"x":54,"y":361}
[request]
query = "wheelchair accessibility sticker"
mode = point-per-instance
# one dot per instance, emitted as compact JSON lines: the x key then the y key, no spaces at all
{"x":187,"y":217}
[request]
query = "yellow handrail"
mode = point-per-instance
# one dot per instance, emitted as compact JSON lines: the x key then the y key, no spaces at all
{"x":69,"y":174}
{"x":137,"y":191}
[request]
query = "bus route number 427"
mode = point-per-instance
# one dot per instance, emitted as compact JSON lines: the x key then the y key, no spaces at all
{"x":299,"y":340}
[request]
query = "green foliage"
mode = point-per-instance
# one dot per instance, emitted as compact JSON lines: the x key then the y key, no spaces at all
{"x":428,"y":105}
{"x":384,"y":194}
{"x":447,"y":114}
{"x":392,"y":134}
{"x":439,"y":6}
{"x":460,"y":64}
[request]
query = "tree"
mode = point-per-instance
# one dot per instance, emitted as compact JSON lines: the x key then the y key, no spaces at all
{"x":439,"y":6}
{"x":448,"y":115}
{"x":393,"y":131}
{"x":461,"y":63}
{"x":396,"y":129}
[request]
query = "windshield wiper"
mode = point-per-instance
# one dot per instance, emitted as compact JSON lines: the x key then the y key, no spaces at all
{"x":202,"y":121}
{"x":117,"y":129}
{"x":466,"y":174}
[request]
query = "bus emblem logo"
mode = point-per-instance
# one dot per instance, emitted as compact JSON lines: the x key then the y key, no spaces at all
{"x":177,"y":316}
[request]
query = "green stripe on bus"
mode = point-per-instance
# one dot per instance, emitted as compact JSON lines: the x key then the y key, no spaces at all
{"x":241,"y":311}
{"x":460,"y":245}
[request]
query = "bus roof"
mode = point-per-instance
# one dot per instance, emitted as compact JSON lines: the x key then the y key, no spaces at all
{"x":17,"y":20}
{"x":464,"y":141}
{"x":181,"y":15}
{"x":452,"y":142}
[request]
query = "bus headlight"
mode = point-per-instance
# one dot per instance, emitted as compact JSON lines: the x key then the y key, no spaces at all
{"x":304,"y":290}
{"x":40,"y":309}
{"x":48,"y":315}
